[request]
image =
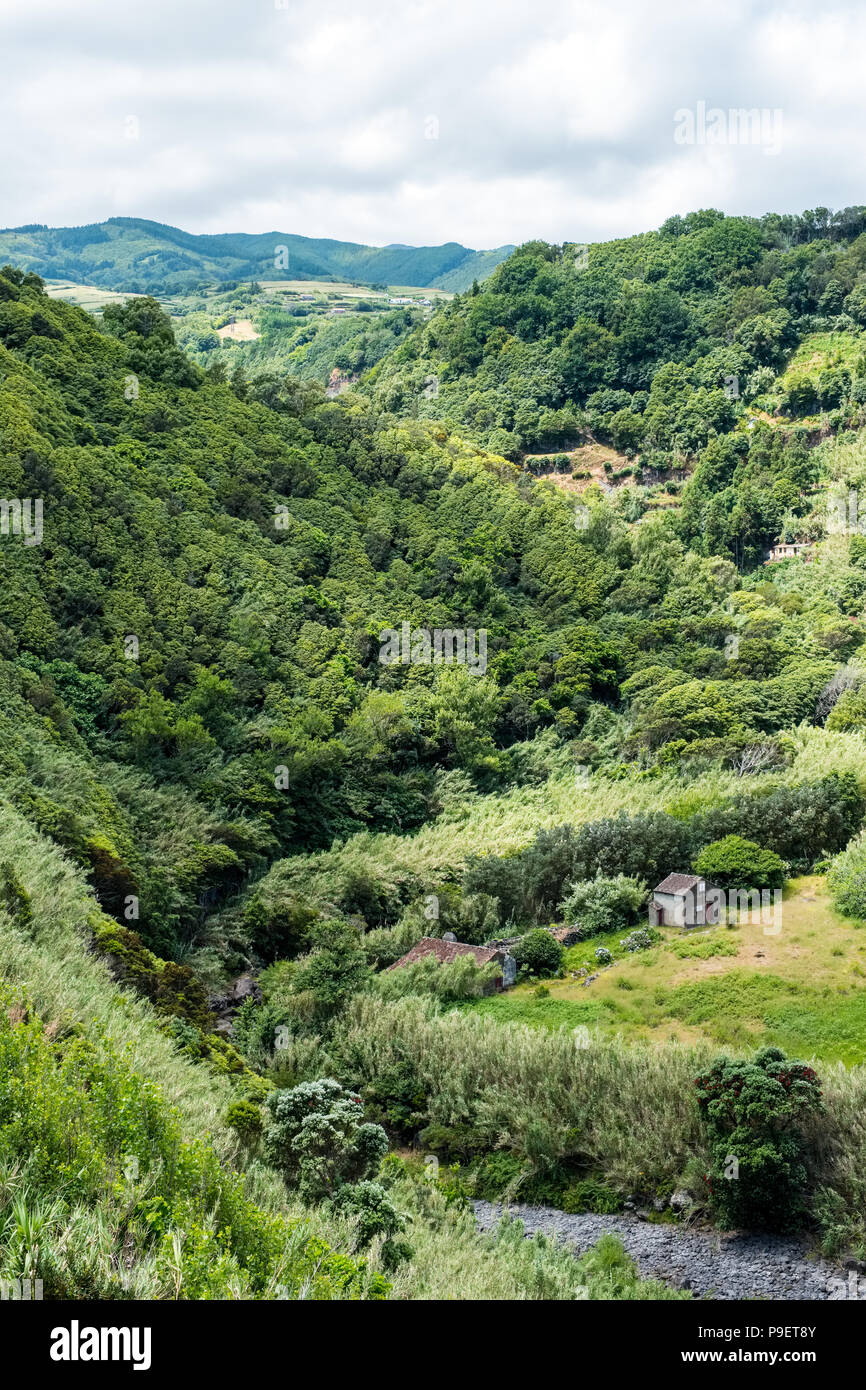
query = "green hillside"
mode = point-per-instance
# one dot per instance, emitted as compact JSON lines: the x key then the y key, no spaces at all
{"x":653,"y":344}
{"x":313,"y":330}
{"x":212,"y":769}
{"x":133,"y":254}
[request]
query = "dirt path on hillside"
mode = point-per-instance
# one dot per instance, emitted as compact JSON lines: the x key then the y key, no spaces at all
{"x":711,"y":1264}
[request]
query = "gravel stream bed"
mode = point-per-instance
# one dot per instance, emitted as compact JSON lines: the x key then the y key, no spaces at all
{"x":709,"y":1263}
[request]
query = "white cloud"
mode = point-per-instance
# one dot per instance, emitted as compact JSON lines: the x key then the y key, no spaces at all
{"x":553,"y":121}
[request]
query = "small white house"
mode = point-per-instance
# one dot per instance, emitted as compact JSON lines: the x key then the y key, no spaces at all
{"x":791,"y":550}
{"x":684,"y":900}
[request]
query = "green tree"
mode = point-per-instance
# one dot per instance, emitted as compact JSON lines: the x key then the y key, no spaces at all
{"x":604,"y":904}
{"x":754,"y":1113}
{"x":734,"y":862}
{"x":317,"y":1137}
{"x":538,"y":953}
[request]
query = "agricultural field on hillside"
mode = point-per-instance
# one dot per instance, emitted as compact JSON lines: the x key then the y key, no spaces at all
{"x":317,"y":330}
{"x":139,"y":256}
{"x":89,"y":297}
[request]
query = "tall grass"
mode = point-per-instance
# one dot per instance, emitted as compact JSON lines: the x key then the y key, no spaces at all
{"x":52,"y":959}
{"x":837,"y":1145}
{"x":551,"y":1096}
{"x":503,"y":823}
{"x":557,"y":1096}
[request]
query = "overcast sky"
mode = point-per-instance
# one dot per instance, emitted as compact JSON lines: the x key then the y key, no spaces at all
{"x":480,"y":121}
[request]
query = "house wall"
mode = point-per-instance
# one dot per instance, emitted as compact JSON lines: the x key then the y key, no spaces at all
{"x":687,"y":909}
{"x":672,"y":916}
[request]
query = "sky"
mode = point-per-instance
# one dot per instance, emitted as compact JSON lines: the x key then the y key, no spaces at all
{"x":479,"y":121}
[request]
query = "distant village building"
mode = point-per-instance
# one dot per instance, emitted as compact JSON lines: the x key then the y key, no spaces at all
{"x":446,"y":949}
{"x":401,"y":299}
{"x":790,"y":550}
{"x":680,"y":900}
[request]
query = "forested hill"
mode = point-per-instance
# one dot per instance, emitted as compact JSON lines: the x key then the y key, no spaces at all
{"x":190,"y":659}
{"x":204,"y":608}
{"x":132,"y":254}
{"x":654,"y":345}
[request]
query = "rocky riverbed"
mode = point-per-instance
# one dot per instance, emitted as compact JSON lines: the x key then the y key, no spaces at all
{"x":710,"y":1264}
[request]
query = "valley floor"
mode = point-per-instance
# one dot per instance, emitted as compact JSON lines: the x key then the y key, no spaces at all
{"x":710,"y":1264}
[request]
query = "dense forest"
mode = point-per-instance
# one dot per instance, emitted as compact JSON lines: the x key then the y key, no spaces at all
{"x":670,"y":346}
{"x":212,"y":772}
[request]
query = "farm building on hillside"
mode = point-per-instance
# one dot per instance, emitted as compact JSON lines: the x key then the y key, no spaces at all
{"x":681,"y":900}
{"x":790,"y":550}
{"x":447,"y":949}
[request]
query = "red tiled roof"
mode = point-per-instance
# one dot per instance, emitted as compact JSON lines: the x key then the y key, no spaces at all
{"x":677,"y":883}
{"x":447,"y":951}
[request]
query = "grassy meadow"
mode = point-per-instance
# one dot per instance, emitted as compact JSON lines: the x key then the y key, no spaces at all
{"x":737,"y":986}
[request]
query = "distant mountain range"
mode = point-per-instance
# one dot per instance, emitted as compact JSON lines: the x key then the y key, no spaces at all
{"x":130,"y":253}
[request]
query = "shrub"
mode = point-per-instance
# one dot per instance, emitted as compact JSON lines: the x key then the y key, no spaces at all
{"x":847,"y":880}
{"x":753,"y":1112}
{"x":173,"y":989}
{"x":278,"y":928}
{"x":605,"y":904}
{"x":603,"y":955}
{"x":639,"y":940}
{"x":498,"y":1173}
{"x":246,"y":1120}
{"x":372,"y":1213}
{"x":317,"y":1138}
{"x":334,"y":970}
{"x":737,"y":863}
{"x":538,"y":953}
{"x":180,"y":993}
{"x":591,"y":1194}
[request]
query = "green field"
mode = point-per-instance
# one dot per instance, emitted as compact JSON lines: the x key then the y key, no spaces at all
{"x":738,"y":986}
{"x":278,"y":327}
{"x":89,"y":297}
